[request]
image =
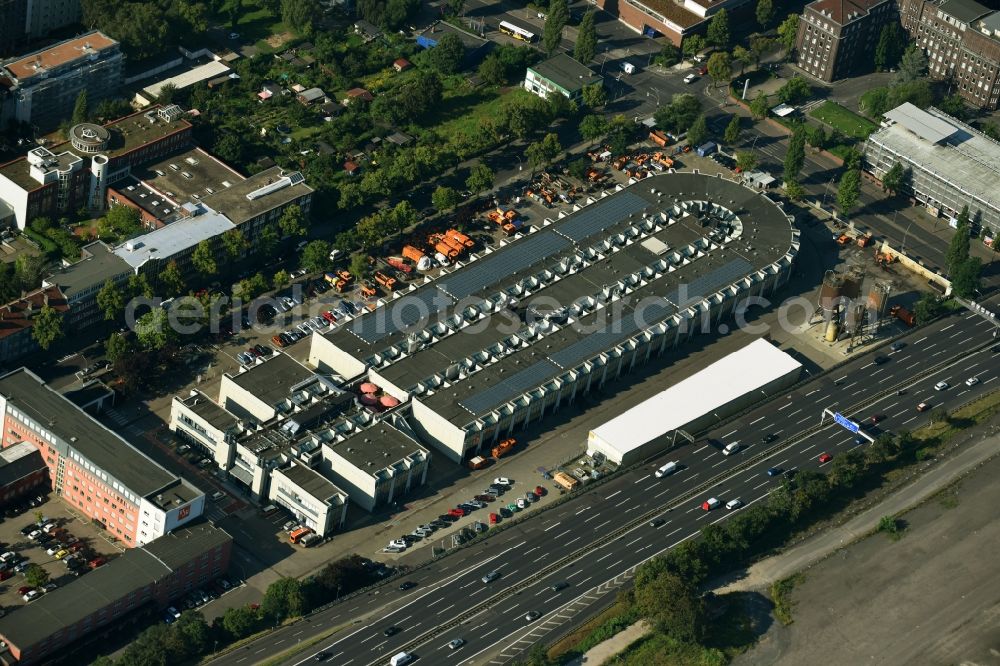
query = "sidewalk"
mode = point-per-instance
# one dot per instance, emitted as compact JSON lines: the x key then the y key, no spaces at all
{"x":979,"y":447}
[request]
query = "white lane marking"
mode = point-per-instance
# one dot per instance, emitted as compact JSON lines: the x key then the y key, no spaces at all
{"x":612,"y":494}
{"x":640,"y":480}
{"x":756,"y":420}
{"x":546,"y":530}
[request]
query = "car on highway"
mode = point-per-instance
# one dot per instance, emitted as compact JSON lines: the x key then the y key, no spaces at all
{"x":825,"y":458}
{"x":455,"y":643}
{"x":322,"y":656}
{"x":667,"y":469}
{"x":923,"y":407}
{"x":734,"y":504}
{"x":769,"y":437}
{"x":941,"y":386}
{"x":561,"y":585}
{"x":879,"y":360}
{"x":896,"y":346}
{"x":491,"y":576}
{"x":972,"y":381}
{"x":502,"y":481}
{"x":774,"y":471}
{"x":656,"y":522}
{"x":407,"y":585}
{"x":391,"y":630}
{"x":532,"y":616}
{"x":710,"y":503}
{"x":730,"y":449}
{"x":690,"y":78}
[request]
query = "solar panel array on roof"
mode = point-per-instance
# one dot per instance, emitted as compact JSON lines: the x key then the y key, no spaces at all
{"x":509,"y":388}
{"x":601,"y":215}
{"x":400,"y":314}
{"x":709,"y":283}
{"x":599,"y":341}
{"x":492,"y":269}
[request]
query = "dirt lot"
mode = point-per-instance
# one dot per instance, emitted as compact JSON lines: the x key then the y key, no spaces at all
{"x":932,"y":597}
{"x":12,"y":540}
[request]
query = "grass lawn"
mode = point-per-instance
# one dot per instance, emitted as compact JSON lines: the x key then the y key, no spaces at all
{"x":463,"y":108}
{"x":844,"y":120}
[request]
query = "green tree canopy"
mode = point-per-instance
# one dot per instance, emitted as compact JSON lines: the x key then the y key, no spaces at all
{"x":795,"y":90}
{"x":746,"y":160}
{"x":678,"y":116}
{"x":293,"y":222}
{"x":718,"y":30}
{"x":281,"y":279}
{"x":445,"y":198}
{"x":668,"y":56}
{"x":47,"y":327}
{"x":764,"y":13}
{"x":594,"y":96}
{"x":300,"y":15}
{"x":117,"y":346}
{"x":235,"y":243}
{"x":203,"y":258}
{"x":586,"y":41}
{"x":697,"y":134}
{"x":796,"y":155}
{"x":720,"y":66}
{"x":446,"y":56}
{"x":480,"y":178}
{"x":239,"y":622}
{"x":693,"y":44}
{"x":81,"y":112}
{"x":787,"y":32}
{"x":673,"y":605}
{"x":848,"y":191}
{"x":171,"y":280}
{"x":36,"y":575}
{"x":284,"y":598}
{"x":965,"y":277}
{"x":153,"y":330}
{"x":593,"y":127}
{"x":890,"y":46}
{"x":316,"y":256}
{"x":958,"y":247}
{"x":892,"y":181}
{"x":555,"y":21}
{"x":111,"y":300}
{"x":732,"y":133}
{"x":759,"y":106}
{"x":913,"y":64}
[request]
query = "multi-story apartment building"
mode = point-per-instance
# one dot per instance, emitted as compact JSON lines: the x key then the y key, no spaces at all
{"x":56,"y":180}
{"x":837,"y":37}
{"x":953,"y":165}
{"x":92,"y":468}
{"x":17,"y":320}
{"x":24,"y":20}
{"x":44,"y":84}
{"x":962,"y":42}
{"x":138,"y":584}
{"x":654,"y":18}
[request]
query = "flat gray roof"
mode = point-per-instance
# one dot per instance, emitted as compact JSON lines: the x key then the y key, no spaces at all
{"x":317,"y":485}
{"x":967,"y":159}
{"x":267,"y":190}
{"x":205,"y":171}
{"x":99,"y":264}
{"x":209,"y":410}
{"x":172,"y":239}
{"x":966,"y":11}
{"x":566,"y":72}
{"x":928,"y":127}
{"x":27,"y":393}
{"x":378,"y":447}
{"x":135,"y":569}
{"x":272,"y":379}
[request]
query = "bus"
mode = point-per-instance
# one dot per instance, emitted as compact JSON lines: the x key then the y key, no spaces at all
{"x":515,"y":32}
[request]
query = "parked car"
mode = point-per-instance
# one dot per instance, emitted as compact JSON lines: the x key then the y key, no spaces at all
{"x":690,"y":78}
{"x":502,"y":481}
{"x":825,"y":458}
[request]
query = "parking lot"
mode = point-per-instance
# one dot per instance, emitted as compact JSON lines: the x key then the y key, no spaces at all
{"x":68,"y":548}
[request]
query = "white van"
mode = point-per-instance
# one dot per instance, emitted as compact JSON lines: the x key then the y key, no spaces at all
{"x":628,"y":68}
{"x":730,"y":449}
{"x":666,"y":470}
{"x":400,"y":659}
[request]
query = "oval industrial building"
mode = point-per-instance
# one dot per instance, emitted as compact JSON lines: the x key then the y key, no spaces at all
{"x":526,"y":326}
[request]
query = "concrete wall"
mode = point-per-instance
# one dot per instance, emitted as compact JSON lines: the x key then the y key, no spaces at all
{"x":234,"y":398}
{"x":326,"y":356}
{"x":438,"y":431}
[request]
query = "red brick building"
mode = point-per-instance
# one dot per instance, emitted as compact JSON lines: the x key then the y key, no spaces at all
{"x":134,"y":586}
{"x":654,"y":18}
{"x":837,"y":38}
{"x":17,"y":319}
{"x":22,"y":470}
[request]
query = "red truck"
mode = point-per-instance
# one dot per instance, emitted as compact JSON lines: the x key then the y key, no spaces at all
{"x":903,"y":315}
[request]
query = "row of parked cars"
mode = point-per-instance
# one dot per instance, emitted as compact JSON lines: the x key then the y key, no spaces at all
{"x":500,"y":486}
{"x":197,"y":598}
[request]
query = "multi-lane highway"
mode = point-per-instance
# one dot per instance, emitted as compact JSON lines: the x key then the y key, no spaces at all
{"x":451,"y":600}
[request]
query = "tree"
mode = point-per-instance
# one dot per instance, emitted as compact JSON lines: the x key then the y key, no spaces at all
{"x":138,"y":285}
{"x":167,"y":94}
{"x":928,"y":308}
{"x":889,"y":49}
{"x":678,"y":116}
{"x":239,"y":622}
{"x":117,"y":347}
{"x":544,"y":151}
{"x":267,"y":240}
{"x":816,"y":136}
{"x":593,"y":127}
{"x":759,"y":45}
{"x":80,"y":110}
{"x":111,"y":301}
{"x":171,"y":280}
{"x":578,"y":169}
{"x":732,"y":133}
{"x":718,"y":30}
{"x":455,"y":7}
{"x":668,"y":56}
{"x":913,"y":65}
{"x":958,"y":247}
{"x":720,"y":66}
{"x":692,"y":45}
{"x":446,"y":56}
{"x":203,"y":258}
{"x":787,"y":32}
{"x":796,"y":156}
{"x":954,"y":106}
{"x":892,"y":181}
{"x":284,"y":598}
{"x":445,"y":198}
{"x":795,"y":90}
{"x":594,"y":96}
{"x":764,"y":13}
{"x":235,"y":243}
{"x":46,"y":327}
{"x":316,"y":256}
{"x":848,"y":191}
{"x":965,"y":277}
{"x":746,"y":160}
{"x":555,"y":21}
{"x":358,"y":266}
{"x":698,"y":132}
{"x":153,"y":330}
{"x":743,"y":56}
{"x":586,"y":40}
{"x":620,"y":133}
{"x":480,"y":178}
{"x":293,"y":222}
{"x":673,"y":604}
{"x":794,"y":191}
{"x":492,"y":71}
{"x":300,"y":15}
{"x":35,"y":575}
{"x":759,"y":106}
{"x":281,"y":279}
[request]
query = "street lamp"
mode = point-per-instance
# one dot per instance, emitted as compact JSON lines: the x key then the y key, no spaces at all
{"x":656,"y":93}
